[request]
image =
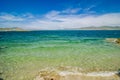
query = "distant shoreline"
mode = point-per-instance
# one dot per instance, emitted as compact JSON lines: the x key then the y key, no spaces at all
{"x":55,"y":30}
{"x":83,"y":28}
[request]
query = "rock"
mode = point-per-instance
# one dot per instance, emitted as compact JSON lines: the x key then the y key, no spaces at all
{"x":115,"y":40}
{"x":67,"y":75}
{"x":48,"y":75}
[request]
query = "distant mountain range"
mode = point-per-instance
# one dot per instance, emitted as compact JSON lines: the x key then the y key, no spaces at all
{"x":12,"y":29}
{"x":83,"y":28}
{"x":98,"y":28}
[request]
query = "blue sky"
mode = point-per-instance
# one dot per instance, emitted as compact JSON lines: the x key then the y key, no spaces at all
{"x":59,"y":14}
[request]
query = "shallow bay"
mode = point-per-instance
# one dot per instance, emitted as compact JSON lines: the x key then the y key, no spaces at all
{"x":23,"y":54}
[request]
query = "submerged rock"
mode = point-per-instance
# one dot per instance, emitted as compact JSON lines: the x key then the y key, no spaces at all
{"x":3,"y":47}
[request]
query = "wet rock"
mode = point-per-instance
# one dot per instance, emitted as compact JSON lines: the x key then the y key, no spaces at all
{"x":118,"y":41}
{"x":48,"y":75}
{"x":115,"y":40}
{"x":118,"y":73}
{"x":66,"y":75}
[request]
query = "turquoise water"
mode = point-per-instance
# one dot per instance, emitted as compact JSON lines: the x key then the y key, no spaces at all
{"x":23,"y":54}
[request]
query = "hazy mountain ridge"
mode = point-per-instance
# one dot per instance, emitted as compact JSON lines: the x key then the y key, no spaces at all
{"x":82,"y":28}
{"x":99,"y":28}
{"x":12,"y":29}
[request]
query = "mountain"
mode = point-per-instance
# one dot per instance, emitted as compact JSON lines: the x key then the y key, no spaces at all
{"x":98,"y":28}
{"x":12,"y":29}
{"x":82,"y":28}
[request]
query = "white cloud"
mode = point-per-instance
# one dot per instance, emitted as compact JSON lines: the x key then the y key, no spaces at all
{"x":76,"y":21}
{"x":52,"y":14}
{"x":10,"y":17}
{"x":71,"y":11}
{"x":89,"y":8}
{"x":28,"y":15}
{"x":56,"y":20}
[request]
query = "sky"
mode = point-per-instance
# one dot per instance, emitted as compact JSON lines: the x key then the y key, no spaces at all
{"x":59,"y":14}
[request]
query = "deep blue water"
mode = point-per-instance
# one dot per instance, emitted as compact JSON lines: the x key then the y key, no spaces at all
{"x":33,"y":36}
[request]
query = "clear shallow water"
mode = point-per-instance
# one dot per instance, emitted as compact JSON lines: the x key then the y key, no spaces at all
{"x":23,"y":54}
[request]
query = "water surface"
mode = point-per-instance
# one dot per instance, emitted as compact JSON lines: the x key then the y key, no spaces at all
{"x":23,"y":54}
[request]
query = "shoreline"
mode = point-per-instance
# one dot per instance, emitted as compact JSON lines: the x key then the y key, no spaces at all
{"x":55,"y":74}
{"x":66,"y":75}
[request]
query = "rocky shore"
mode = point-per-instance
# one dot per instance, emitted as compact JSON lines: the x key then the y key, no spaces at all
{"x":114,"y":40}
{"x":66,"y":75}
{"x":54,"y":74}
